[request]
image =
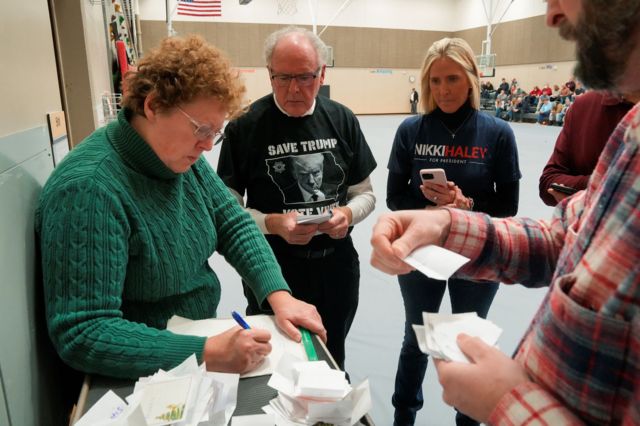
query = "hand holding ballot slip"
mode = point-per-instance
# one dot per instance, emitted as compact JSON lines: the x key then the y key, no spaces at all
{"x":314,"y":218}
{"x":438,"y":336}
{"x":436,"y":262}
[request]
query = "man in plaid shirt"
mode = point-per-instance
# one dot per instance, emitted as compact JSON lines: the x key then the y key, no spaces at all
{"x":579,"y":361}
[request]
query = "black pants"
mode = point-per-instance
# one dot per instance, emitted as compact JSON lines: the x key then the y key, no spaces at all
{"x":331,"y":283}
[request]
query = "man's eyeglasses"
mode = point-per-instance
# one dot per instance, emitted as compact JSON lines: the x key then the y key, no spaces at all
{"x":204,"y":131}
{"x":302,"y":80}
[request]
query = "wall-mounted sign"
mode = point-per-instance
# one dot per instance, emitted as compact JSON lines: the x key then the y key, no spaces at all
{"x":58,"y":134}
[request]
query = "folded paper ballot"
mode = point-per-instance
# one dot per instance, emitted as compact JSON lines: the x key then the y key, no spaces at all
{"x":184,"y":396}
{"x":311,"y":392}
{"x":314,"y":218}
{"x":436,"y":262}
{"x":438,"y":335}
{"x":280,"y":342}
{"x":254,"y":420}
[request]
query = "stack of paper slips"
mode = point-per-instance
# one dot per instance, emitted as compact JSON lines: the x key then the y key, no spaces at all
{"x":311,"y":392}
{"x":438,"y":335}
{"x":184,"y":396}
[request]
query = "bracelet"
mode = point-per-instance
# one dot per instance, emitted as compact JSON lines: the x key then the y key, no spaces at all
{"x":470,"y":203}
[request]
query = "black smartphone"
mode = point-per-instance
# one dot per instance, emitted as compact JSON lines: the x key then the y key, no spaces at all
{"x":563,"y":189}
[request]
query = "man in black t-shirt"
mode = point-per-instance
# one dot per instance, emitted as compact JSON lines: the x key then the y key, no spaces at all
{"x":295,"y":153}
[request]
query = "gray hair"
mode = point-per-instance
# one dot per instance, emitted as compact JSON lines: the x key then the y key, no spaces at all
{"x":273,"y":39}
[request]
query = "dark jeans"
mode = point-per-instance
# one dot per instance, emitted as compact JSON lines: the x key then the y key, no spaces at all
{"x":422,"y":294}
{"x":330,"y":283}
{"x":514,"y":115}
{"x":543,"y":116}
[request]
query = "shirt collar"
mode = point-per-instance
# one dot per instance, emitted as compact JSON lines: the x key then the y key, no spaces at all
{"x":610,"y":99}
{"x":309,"y":111}
{"x":134,"y":150}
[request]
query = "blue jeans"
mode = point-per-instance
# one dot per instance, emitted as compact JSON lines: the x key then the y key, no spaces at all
{"x":423,"y":294}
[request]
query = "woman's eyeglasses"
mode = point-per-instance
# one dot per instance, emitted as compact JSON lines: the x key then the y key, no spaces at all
{"x":302,"y":80}
{"x":204,"y":131}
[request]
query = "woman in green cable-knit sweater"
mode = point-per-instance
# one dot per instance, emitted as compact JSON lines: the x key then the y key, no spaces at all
{"x":129,"y":219}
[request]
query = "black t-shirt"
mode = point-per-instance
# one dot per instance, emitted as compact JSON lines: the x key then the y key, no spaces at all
{"x":295,"y":163}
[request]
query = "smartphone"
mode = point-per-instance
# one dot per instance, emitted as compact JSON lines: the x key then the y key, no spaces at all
{"x":563,"y":189}
{"x":436,"y":176}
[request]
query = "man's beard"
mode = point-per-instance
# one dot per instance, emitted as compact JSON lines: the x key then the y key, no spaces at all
{"x":604,"y":37}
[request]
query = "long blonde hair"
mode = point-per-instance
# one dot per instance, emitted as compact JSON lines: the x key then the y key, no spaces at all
{"x":459,"y":51}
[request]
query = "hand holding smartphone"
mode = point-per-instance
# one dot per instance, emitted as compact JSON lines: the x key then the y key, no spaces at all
{"x":436,"y":176}
{"x":563,"y":189}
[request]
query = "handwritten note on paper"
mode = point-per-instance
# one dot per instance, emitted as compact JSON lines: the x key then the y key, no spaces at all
{"x":436,"y":262}
{"x":111,"y":410}
{"x":280,"y":342}
{"x":165,"y":402}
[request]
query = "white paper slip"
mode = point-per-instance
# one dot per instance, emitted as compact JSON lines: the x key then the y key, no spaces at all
{"x":254,"y":420}
{"x":314,"y":218}
{"x":438,"y":336}
{"x":109,"y":407}
{"x":280,"y":342}
{"x":329,"y":384}
{"x":436,"y":262}
{"x":165,"y":402}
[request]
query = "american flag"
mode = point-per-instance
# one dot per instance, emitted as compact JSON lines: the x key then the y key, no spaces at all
{"x":200,"y":7}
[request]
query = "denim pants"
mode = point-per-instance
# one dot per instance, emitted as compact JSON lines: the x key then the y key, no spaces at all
{"x":423,"y":294}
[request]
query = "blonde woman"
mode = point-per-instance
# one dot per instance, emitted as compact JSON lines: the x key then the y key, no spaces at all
{"x":479,"y":155}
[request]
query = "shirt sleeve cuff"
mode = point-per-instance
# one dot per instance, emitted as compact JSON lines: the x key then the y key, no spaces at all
{"x":467,"y":233}
{"x":259,"y":218}
{"x":528,"y":403}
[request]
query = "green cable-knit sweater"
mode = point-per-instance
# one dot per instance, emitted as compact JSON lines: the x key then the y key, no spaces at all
{"x":125,"y":245}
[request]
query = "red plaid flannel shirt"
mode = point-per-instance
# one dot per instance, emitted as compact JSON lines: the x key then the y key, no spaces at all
{"x":582,"y":350}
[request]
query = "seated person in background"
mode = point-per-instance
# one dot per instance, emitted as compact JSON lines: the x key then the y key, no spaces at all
{"x":544,"y":111}
{"x":128,"y":222}
{"x":546,"y":90}
{"x":571,"y":84}
{"x":556,"y":109}
{"x":515,"y":109}
{"x":484,"y":92}
{"x":565,"y":93}
{"x":556,"y":92}
{"x":563,"y":112}
{"x":502,"y":104}
{"x":504,"y":86}
{"x":531,"y":101}
{"x":587,"y":126}
{"x":514,"y":85}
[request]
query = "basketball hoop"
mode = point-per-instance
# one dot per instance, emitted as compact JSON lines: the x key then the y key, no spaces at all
{"x":287,"y":7}
{"x":486,"y":65}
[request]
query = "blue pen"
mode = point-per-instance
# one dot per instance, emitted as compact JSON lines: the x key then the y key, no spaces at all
{"x":236,"y":316}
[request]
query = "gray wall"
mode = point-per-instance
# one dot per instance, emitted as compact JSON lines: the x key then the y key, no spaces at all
{"x":523,"y":41}
{"x":28,"y":391}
